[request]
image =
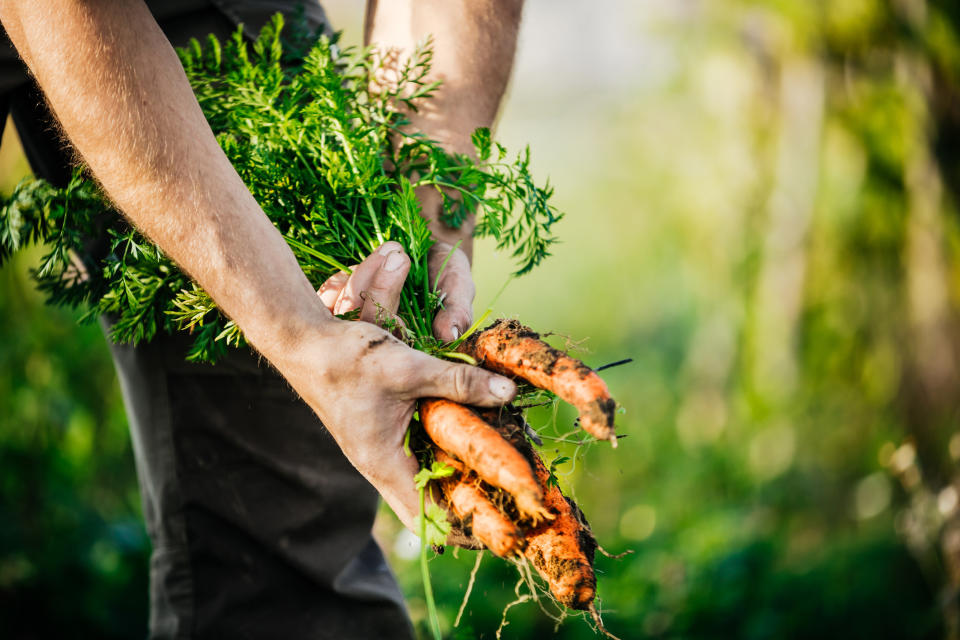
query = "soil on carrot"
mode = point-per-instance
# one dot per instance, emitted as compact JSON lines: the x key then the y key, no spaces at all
{"x":601,"y":410}
{"x":539,"y":356}
{"x":561,"y":548}
{"x":510,"y":348}
{"x":493,"y":469}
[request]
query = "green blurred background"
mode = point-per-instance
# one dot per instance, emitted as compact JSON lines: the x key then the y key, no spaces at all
{"x":762,"y":201}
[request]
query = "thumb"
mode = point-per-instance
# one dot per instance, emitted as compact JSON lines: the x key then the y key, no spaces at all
{"x":464,"y":384}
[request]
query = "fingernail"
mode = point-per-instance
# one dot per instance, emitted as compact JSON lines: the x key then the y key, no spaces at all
{"x":455,"y":331}
{"x":501,"y":388}
{"x":394,"y":261}
{"x":387,"y":247}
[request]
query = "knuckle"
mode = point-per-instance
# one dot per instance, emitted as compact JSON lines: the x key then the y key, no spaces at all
{"x":460,"y":312}
{"x":460,"y":289}
{"x":461,"y":379}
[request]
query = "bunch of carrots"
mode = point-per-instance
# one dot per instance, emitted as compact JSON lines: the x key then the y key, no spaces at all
{"x":500,"y":492}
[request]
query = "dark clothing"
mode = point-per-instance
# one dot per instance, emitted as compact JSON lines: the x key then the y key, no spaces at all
{"x":260,"y":526}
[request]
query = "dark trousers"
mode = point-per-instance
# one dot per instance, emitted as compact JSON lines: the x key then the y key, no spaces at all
{"x":260,"y":527}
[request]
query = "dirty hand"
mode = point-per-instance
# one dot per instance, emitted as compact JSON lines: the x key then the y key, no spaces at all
{"x":364,"y":384}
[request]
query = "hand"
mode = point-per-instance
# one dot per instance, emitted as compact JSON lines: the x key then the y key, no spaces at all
{"x":373,"y":287}
{"x":455,"y":287}
{"x":455,"y":283}
{"x":375,"y":284}
{"x":364,"y":384}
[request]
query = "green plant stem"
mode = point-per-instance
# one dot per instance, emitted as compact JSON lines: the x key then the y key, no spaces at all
{"x":413,"y":312}
{"x":362,"y":238}
{"x":316,"y":254}
{"x":432,"y":616}
{"x":443,"y":266}
{"x":348,"y":152}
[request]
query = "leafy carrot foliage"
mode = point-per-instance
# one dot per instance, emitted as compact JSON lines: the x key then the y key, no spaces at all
{"x":329,"y":156}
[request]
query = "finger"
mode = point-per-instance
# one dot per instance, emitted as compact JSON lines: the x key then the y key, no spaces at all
{"x":330,"y":290}
{"x":352,"y":295}
{"x":456,"y":287}
{"x":382,"y":295}
{"x":456,"y":313}
{"x":460,"y":382}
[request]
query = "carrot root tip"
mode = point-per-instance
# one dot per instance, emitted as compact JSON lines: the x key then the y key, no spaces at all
{"x":541,"y":514}
{"x":532,"y":506}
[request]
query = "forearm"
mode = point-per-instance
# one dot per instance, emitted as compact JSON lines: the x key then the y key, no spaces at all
{"x":474,"y":42}
{"x":120,"y":94}
{"x":122,"y":98}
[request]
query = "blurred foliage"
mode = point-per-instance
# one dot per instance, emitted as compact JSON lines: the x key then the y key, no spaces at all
{"x":73,"y":550}
{"x":763,"y":214}
{"x":74,"y":555}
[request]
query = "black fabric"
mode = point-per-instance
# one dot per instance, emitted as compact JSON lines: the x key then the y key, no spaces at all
{"x":260,"y":526}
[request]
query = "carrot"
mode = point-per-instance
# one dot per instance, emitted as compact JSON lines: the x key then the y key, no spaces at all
{"x":460,"y":432}
{"x":510,"y":348}
{"x":479,"y":517}
{"x":445,"y":458}
{"x":508,"y":422}
{"x":562,"y":549}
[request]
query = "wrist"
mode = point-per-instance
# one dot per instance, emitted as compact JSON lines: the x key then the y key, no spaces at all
{"x":432,"y":209}
{"x":326,"y":358}
{"x":283,"y":333}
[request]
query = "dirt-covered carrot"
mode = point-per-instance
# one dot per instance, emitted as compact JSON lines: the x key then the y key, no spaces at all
{"x":479,"y":517}
{"x":462,"y":433}
{"x":562,"y":549}
{"x":510,"y":348}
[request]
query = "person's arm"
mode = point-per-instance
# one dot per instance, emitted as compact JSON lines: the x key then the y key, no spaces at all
{"x":122,"y":98}
{"x":474,"y":42}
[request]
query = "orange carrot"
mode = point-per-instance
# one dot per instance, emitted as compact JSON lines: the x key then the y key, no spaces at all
{"x":562,"y":549}
{"x":445,"y":458}
{"x":479,"y":517}
{"x":460,"y":432}
{"x":510,"y":348}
